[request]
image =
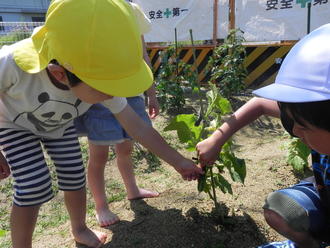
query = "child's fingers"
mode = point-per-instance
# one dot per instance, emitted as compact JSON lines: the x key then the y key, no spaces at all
{"x":190,"y":177}
{"x":153,"y":112}
{"x":4,"y":171}
{"x":206,"y":160}
{"x":202,"y":162}
{"x":4,"y":174}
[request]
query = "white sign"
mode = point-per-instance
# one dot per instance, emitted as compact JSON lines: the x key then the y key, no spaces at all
{"x":166,"y":15}
{"x":274,"y":20}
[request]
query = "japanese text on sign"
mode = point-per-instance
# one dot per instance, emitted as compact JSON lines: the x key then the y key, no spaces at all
{"x":288,"y":4}
{"x":167,"y":13}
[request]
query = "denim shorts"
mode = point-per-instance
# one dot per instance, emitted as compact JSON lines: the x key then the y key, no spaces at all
{"x":102,"y":128}
{"x":300,"y":206}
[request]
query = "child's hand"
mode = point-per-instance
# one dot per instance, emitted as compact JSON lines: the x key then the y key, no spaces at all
{"x":208,"y":151}
{"x":189,"y":170}
{"x":4,"y":168}
{"x":153,"y":107}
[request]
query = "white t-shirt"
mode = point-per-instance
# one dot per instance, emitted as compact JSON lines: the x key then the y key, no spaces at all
{"x":32,"y":102}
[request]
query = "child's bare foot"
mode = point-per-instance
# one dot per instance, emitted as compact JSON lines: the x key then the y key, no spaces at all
{"x":90,"y":238}
{"x":142,"y":193}
{"x":106,"y":218}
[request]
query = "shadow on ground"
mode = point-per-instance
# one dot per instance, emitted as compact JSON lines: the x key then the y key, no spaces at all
{"x":153,"y":228}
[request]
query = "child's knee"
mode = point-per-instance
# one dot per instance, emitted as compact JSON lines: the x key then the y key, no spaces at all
{"x":34,"y":195}
{"x":124,"y":149}
{"x":99,"y":160}
{"x":280,"y":210}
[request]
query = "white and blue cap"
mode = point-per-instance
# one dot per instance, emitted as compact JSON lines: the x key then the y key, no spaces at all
{"x":304,"y":75}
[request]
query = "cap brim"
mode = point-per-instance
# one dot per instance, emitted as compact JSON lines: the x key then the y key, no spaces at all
{"x":26,"y":55}
{"x":126,"y":87}
{"x":286,"y":93}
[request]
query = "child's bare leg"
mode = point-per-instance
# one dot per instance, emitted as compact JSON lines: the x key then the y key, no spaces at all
{"x":75,"y":202}
{"x":98,"y":157}
{"x":125,"y":166}
{"x":22,"y":224}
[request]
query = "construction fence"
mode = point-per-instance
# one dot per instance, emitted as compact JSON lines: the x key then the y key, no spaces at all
{"x":270,"y":29}
{"x":11,"y":32}
{"x":262,"y":61}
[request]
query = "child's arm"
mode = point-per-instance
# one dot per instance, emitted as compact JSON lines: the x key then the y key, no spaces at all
{"x":209,"y":148}
{"x":4,"y":167}
{"x":151,"y":139}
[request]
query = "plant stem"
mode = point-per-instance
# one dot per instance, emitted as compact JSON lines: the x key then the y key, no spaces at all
{"x":213,"y":189}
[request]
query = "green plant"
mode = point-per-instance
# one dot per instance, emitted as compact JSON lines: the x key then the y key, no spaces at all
{"x":297,"y":154}
{"x":2,"y":233}
{"x":192,"y":129}
{"x":173,"y":75}
{"x":226,"y":65}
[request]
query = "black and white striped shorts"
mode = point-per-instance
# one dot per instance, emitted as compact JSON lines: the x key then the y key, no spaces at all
{"x":32,"y":181}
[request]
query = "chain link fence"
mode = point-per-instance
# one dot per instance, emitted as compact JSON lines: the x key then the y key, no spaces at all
{"x":11,"y":32}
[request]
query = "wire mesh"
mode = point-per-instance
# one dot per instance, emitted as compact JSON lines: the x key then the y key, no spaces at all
{"x":11,"y":32}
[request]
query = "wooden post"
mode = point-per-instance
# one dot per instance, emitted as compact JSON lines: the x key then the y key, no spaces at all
{"x":215,"y":22}
{"x":231,"y":14}
{"x":309,"y":6}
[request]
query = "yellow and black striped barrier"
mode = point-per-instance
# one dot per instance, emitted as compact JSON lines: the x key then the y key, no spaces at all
{"x":262,"y":62}
{"x":186,"y":55}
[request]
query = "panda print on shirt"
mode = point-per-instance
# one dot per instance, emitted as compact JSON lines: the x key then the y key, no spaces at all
{"x":50,"y":114}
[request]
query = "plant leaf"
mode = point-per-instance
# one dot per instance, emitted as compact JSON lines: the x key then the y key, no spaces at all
{"x":2,"y":233}
{"x":224,"y":185}
{"x":185,"y":126}
{"x":223,"y":105}
{"x":235,"y":166}
{"x":297,"y":163}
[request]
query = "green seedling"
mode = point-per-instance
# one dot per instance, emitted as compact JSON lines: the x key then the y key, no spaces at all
{"x":192,"y":129}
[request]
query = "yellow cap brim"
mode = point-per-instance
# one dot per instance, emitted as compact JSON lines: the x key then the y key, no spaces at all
{"x":126,"y":87}
{"x":27,"y":57}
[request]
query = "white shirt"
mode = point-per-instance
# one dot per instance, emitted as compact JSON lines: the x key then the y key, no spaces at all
{"x":32,"y":102}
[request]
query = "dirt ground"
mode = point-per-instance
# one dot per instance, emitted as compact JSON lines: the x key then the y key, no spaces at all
{"x":180,"y":216}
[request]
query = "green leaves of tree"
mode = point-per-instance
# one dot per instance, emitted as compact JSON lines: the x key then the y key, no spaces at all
{"x":227,"y":64}
{"x":173,"y":74}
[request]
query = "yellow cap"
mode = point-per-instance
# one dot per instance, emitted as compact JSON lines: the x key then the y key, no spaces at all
{"x":97,"y":40}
